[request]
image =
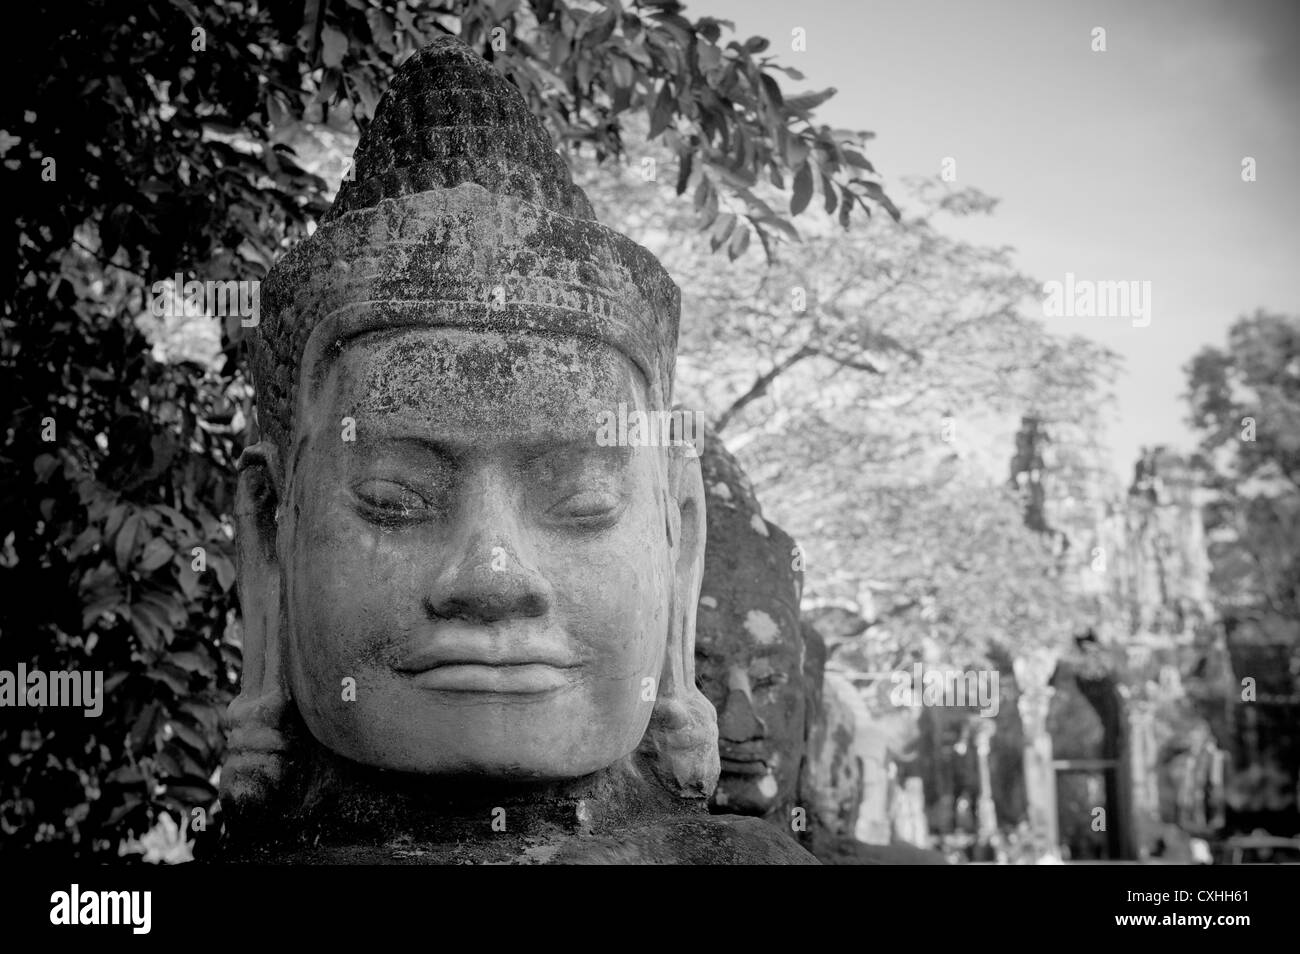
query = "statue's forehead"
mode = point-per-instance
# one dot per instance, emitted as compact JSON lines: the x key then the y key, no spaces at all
{"x":455,"y":353}
{"x":482,"y":379}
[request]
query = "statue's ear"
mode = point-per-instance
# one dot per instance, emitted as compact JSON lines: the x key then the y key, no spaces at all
{"x":682,"y":739}
{"x":257,"y":746}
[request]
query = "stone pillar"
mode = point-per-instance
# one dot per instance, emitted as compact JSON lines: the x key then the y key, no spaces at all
{"x":985,"y":814}
{"x":1141,"y":759}
{"x":908,"y":811}
{"x":837,"y":766}
{"x":1032,"y":677}
{"x":1214,"y":810}
{"x":873,"y":817}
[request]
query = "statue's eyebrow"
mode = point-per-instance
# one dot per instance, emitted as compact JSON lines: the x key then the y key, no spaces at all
{"x":568,"y":447}
{"x":404,"y":444}
{"x":407,"y":444}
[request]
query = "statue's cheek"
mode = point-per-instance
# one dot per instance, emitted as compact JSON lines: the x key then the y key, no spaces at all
{"x":619,"y":616}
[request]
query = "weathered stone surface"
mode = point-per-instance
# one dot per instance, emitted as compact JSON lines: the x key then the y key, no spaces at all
{"x":838,"y":765}
{"x":814,"y":676}
{"x":748,"y":646}
{"x":720,"y":839}
{"x":1141,"y":555}
{"x":853,"y":800}
{"x":469,"y":620}
{"x":907,"y":810}
{"x":461,"y":215}
{"x":793,"y":744}
{"x":873,"y":825}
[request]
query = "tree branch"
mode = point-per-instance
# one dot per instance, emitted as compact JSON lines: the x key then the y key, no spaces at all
{"x":759,"y":387}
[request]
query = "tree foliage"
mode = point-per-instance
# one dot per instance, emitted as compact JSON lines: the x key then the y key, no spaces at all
{"x":1245,"y":402}
{"x":870,"y":381}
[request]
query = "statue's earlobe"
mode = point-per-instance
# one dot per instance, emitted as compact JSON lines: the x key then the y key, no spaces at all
{"x":682,"y":739}
{"x":257,"y":747}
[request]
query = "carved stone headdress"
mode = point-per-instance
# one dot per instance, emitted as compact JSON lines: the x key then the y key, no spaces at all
{"x":461,"y":214}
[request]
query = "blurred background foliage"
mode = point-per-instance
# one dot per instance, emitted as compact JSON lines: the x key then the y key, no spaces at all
{"x":871,"y":382}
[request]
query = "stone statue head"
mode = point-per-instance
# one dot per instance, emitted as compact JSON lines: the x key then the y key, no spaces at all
{"x":442,"y":570}
{"x":749,"y":648}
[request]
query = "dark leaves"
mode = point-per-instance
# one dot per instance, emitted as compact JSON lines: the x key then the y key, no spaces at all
{"x":805,"y":103}
{"x":684,"y":171}
{"x":803,"y":189}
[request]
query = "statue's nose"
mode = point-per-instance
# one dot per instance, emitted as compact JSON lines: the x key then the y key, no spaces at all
{"x":738,"y":722}
{"x":489,"y":574}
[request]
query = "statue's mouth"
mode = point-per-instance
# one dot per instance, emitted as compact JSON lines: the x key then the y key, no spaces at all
{"x":741,"y":761}
{"x":513,"y":678}
{"x":453,"y":664}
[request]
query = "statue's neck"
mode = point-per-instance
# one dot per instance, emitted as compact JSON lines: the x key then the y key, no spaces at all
{"x":355,"y":795}
{"x":328,"y":805}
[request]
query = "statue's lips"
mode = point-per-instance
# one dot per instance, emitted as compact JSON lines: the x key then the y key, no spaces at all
{"x":741,"y":761}
{"x":454,"y":670}
{"x":475,"y":677}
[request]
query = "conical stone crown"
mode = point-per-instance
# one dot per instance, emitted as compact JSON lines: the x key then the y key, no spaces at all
{"x":461,"y":215}
{"x":449,"y":118}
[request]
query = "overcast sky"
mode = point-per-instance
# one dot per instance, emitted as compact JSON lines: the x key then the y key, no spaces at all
{"x":1122,"y":165}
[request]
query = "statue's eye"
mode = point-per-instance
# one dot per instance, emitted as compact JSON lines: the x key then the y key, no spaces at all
{"x":587,"y":507}
{"x":768,"y":681}
{"x":390,"y":500}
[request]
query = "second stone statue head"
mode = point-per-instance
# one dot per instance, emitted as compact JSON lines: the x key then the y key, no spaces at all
{"x":442,"y":570}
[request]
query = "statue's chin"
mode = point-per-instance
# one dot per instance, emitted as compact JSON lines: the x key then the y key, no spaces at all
{"x":495,"y":740}
{"x":736,"y":796}
{"x":484,"y":759}
{"x":500,"y":764}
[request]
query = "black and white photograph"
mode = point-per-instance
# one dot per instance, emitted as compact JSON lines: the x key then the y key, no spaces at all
{"x":652,"y":432}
